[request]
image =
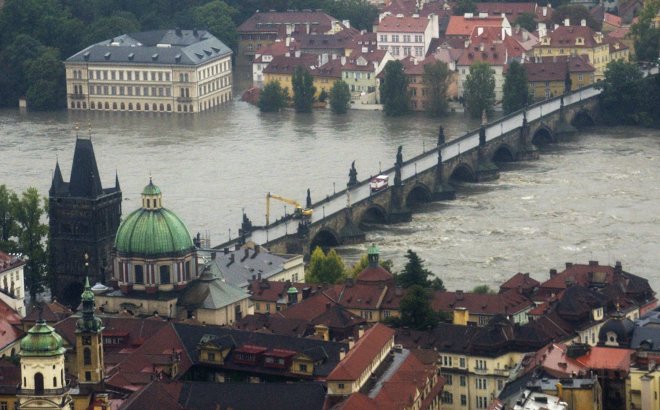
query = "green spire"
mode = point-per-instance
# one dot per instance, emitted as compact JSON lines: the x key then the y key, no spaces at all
{"x":87,"y":294}
{"x":88,"y":322}
{"x":372,"y":254}
{"x":41,"y":340}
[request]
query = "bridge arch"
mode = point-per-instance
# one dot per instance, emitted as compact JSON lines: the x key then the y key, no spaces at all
{"x":419,"y":193}
{"x":374,"y":214}
{"x":325,"y":238}
{"x":463,"y":173}
{"x":543,"y":136}
{"x":504,"y":153}
{"x":582,"y":119}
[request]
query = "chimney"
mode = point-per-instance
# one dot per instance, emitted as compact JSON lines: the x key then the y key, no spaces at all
{"x":459,"y":295}
{"x":567,"y":22}
{"x":246,"y":253}
{"x":212,"y":256}
{"x":618,"y":267}
{"x":195,"y":32}
{"x":226,"y":251}
{"x":351,"y":342}
{"x":343,"y":60}
{"x":545,"y":11}
{"x":231,"y":259}
{"x":257,"y":248}
{"x":258,"y":274}
{"x":360,"y":332}
{"x":569,"y":265}
{"x":583,"y":22}
{"x":553,"y":273}
{"x":297,"y":54}
{"x":342,"y":354}
{"x":346,"y":23}
{"x":593,"y":263}
{"x":480,"y":30}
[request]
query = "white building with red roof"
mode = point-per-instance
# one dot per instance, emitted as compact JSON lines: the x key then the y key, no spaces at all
{"x":463,"y":26}
{"x":405,"y":36}
{"x":494,"y":54}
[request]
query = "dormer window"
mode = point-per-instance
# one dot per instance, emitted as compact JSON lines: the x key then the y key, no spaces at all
{"x":579,"y":41}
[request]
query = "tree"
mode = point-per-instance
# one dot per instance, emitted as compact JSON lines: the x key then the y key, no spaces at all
{"x":111,"y":26}
{"x":436,"y":79}
{"x":414,"y":273}
{"x":575,"y":13}
{"x":324,"y":268}
{"x":340,"y":97}
{"x":323,"y":95}
{"x":620,"y":101}
{"x":303,"y":89}
{"x":272,"y":97}
{"x":464,"y":6}
{"x":394,"y":89}
{"x":8,"y":225}
{"x":516,"y":90}
{"x":46,"y":79}
{"x":480,"y":89}
{"x":646,"y":35}
{"x":416,"y":310}
{"x":361,"y":13}
{"x":216,"y":17}
{"x":526,"y":21}
{"x":31,"y":237}
{"x":483,"y":290}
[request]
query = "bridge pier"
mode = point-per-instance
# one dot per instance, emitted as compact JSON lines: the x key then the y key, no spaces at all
{"x":350,"y":232}
{"x":486,"y":169}
{"x":564,"y":128}
{"x":398,"y":212}
{"x":527,"y":150}
{"x":442,"y":190}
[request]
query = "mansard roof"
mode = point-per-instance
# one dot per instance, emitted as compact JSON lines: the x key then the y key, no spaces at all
{"x":157,"y":47}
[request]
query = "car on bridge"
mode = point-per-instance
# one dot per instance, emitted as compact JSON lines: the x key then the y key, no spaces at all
{"x":378,"y":183}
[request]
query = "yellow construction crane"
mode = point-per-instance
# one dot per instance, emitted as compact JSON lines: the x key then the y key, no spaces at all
{"x":298,"y":211}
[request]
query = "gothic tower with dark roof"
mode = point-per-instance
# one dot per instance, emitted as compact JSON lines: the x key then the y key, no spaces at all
{"x":83,"y":219}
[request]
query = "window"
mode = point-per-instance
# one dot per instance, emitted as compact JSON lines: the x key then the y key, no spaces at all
{"x":482,"y":402}
{"x":38,"y":383}
{"x":3,"y":405}
{"x":88,"y":376}
{"x":446,"y":361}
{"x":500,"y":385}
{"x":480,"y":364}
{"x":463,"y":400}
{"x":187,"y":269}
{"x":418,"y":38}
{"x":211,"y":356}
{"x":461,"y":362}
{"x":462,"y":381}
{"x":138,"y":271}
{"x":395,"y":38}
{"x":406,"y":38}
{"x":447,"y":397}
{"x":340,"y":386}
{"x":165,"y":274}
{"x":580,"y":77}
{"x":87,"y":356}
{"x":449,"y":380}
{"x":406,"y":51}
{"x":302,"y":367}
{"x":419,"y":51}
{"x":481,"y":383}
{"x":383,"y":37}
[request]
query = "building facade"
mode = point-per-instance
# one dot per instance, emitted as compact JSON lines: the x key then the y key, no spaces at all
{"x":83,"y":219}
{"x":12,"y":282}
{"x":406,"y":36}
{"x":156,"y":71}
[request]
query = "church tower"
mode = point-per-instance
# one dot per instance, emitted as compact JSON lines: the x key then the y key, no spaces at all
{"x":89,"y":343}
{"x":43,"y":385}
{"x":83,"y":218}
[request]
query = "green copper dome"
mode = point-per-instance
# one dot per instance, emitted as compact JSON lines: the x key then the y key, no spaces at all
{"x":152,"y":231}
{"x":41,"y":340}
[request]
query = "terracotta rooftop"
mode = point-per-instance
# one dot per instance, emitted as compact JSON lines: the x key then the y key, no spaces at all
{"x":274,"y":324}
{"x":8,"y":261}
{"x":506,"y":303}
{"x":318,"y":21}
{"x":465,"y":26}
{"x":273,"y":291}
{"x":9,"y":325}
{"x":494,"y":54}
{"x":330,"y":69}
{"x":520,"y":281}
{"x":287,"y":64}
{"x":511,"y":10}
{"x":607,"y":358}
{"x":405,"y":24}
{"x":51,"y":313}
{"x":409,"y":7}
{"x":363,"y":353}
{"x":566,"y":36}
{"x":612,"y":19}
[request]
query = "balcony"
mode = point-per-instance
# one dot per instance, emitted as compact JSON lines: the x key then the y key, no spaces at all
{"x":184,"y":99}
{"x":501,"y":372}
{"x":480,"y":370}
{"x":77,"y":96}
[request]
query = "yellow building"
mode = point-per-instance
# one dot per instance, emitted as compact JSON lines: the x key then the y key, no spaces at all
{"x":580,"y":40}
{"x":644,"y":388}
{"x":161,"y":71}
{"x":547,"y":77}
{"x":577,"y":393}
{"x":326,"y":75}
{"x":282,"y":67}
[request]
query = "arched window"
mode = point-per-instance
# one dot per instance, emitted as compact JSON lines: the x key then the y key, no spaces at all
{"x":146,"y":106}
{"x":164,"y":274}
{"x":84,"y":105}
{"x":54,"y":382}
{"x":92,"y":105}
{"x":122,"y":106}
{"x":169,"y":108}
{"x":114,"y":106}
{"x":130,"y":106}
{"x":162,"y":107}
{"x":87,"y":356}
{"x":137,"y":106}
{"x":107,"y":106}
{"x":73,"y":105}
{"x":38,"y":383}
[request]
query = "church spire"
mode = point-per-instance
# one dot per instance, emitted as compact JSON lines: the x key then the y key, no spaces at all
{"x":117,"y":181}
{"x":58,"y":181}
{"x":89,"y":344}
{"x":85,"y":178}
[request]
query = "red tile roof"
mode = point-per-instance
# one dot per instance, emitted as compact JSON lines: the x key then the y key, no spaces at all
{"x":612,"y":19}
{"x":309,"y":308}
{"x":9,"y":261}
{"x":272,"y":291}
{"x":520,"y":280}
{"x":511,"y":10}
{"x":287,"y":64}
{"x":375,"y":273}
{"x":607,"y":358}
{"x":566,"y":36}
{"x":409,"y":7}
{"x":271,"y":21}
{"x":363,"y":354}
{"x":462,"y":26}
{"x":330,"y":69}
{"x":494,"y":54}
{"x":51,"y":313}
{"x":394,"y":24}
{"x":406,"y":383}
{"x":506,"y":303}
{"x":357,"y":401}
{"x":10,"y":321}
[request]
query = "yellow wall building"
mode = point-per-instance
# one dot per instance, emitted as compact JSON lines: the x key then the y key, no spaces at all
{"x":581,"y":40}
{"x":162,"y":71}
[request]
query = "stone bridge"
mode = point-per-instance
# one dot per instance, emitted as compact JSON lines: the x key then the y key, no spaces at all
{"x":472,"y":157}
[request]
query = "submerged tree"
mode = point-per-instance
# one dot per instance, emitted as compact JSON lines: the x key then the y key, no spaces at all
{"x":394,"y":89}
{"x":516,"y":90}
{"x":324,"y":268}
{"x":273,"y":97}
{"x":436,"y":80}
{"x":340,"y":97}
{"x":480,"y":89}
{"x":303,"y":89}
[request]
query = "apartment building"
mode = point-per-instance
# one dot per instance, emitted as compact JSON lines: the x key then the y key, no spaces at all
{"x":178,"y":71}
{"x":406,"y":36}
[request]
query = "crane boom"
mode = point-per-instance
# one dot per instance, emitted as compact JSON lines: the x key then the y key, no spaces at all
{"x":299,"y":212}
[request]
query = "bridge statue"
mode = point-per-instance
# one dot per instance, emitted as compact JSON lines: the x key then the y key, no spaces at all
{"x":352,"y":175}
{"x":441,"y":136}
{"x":308,"y":204}
{"x":397,"y":166}
{"x":399,"y":156}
